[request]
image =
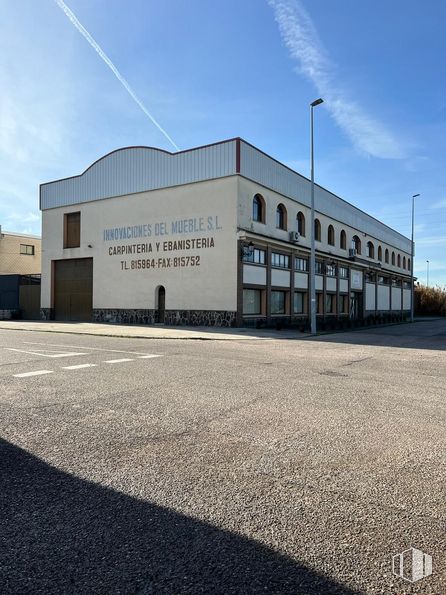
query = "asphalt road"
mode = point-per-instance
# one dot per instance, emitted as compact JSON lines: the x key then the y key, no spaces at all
{"x":220,"y":467}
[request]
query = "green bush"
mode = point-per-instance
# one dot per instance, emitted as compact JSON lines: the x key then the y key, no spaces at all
{"x":430,"y":300}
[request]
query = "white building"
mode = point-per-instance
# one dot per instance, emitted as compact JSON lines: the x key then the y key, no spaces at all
{"x":216,"y":235}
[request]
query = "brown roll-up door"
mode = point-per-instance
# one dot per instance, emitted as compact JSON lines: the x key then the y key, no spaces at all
{"x":73,"y":289}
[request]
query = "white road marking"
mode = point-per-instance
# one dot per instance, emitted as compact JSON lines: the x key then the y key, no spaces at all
{"x":52,"y":355}
{"x":118,"y":361}
{"x":78,"y":367}
{"x":84,"y":347}
{"x":36,"y":373}
{"x":148,"y":356}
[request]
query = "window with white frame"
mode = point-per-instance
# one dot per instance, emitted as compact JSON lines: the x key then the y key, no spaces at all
{"x":280,"y":260}
{"x":301,"y":264}
{"x":256,"y":256}
{"x":330,"y":270}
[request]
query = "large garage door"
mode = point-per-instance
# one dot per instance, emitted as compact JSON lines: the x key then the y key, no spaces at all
{"x":73,"y":289}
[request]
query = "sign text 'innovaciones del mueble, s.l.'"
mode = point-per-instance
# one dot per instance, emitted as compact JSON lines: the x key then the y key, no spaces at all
{"x":157,"y":245}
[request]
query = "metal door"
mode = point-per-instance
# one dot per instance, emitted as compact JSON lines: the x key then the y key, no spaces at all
{"x":73,"y":289}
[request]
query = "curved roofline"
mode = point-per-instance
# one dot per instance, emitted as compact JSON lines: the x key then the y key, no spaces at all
{"x":221,"y":142}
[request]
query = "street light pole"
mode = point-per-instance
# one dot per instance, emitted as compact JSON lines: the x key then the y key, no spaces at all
{"x":313,"y":247}
{"x":411,"y":258}
{"x":427,"y":284}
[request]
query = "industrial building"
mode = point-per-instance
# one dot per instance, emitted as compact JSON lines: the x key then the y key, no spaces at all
{"x":216,"y":235}
{"x":19,"y":275}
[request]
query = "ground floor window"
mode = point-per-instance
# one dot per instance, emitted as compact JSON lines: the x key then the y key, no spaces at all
{"x":278,"y":302}
{"x":330,"y":303}
{"x":318,"y":267}
{"x":256,"y":255}
{"x":301,"y":264}
{"x":280,"y":260}
{"x":319,"y":303}
{"x":343,"y":304}
{"x":299,"y":302}
{"x":252,"y":301}
{"x":330,"y":270}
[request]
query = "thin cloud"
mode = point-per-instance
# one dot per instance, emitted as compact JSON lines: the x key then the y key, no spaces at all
{"x":302,"y":41}
{"x":441,"y":204}
{"x":72,"y":17}
{"x":431,"y":241}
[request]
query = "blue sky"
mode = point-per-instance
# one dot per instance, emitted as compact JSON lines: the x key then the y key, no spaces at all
{"x":208,"y":71}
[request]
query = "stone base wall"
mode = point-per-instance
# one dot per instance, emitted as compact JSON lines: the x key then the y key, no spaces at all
{"x":46,"y":314}
{"x":127,"y":316}
{"x":218,"y":318}
{"x":200,"y":318}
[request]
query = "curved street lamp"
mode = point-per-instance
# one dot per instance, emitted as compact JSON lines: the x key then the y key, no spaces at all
{"x":313,"y":248}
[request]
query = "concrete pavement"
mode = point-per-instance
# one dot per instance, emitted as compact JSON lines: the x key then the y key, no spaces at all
{"x":239,"y":466}
{"x":160,"y":331}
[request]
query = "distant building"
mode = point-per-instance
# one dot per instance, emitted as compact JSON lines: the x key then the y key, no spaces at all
{"x":19,"y":253}
{"x":215,"y":235}
{"x":20,"y":264}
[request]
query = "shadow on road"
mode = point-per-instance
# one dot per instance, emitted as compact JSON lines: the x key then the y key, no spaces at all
{"x":424,"y":334}
{"x":420,"y":335}
{"x":62,"y":534}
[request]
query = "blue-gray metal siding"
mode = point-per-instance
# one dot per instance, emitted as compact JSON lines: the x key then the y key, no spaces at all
{"x":264,"y":170}
{"x":137,"y":169}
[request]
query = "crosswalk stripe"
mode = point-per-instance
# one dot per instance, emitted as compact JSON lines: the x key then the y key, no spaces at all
{"x":118,"y":361}
{"x":36,"y":373}
{"x":78,"y":367}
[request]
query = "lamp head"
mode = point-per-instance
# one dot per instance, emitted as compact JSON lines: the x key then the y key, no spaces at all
{"x":317,"y":102}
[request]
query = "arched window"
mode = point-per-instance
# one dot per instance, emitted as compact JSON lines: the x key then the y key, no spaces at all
{"x":404,"y":262}
{"x":258,"y":208}
{"x":301,"y":223}
{"x":370,"y":250}
{"x":399,"y":260}
{"x":408,"y":264}
{"x":331,"y":235}
{"x":380,"y":254}
{"x":393,"y":258}
{"x":356,"y":244}
{"x":387,"y":256}
{"x":343,"y":240}
{"x":281,"y":217}
{"x":317,"y":230}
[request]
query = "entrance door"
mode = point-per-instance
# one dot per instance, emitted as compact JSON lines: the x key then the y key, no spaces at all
{"x":161,"y":304}
{"x":73,"y":289}
{"x":355,"y":305}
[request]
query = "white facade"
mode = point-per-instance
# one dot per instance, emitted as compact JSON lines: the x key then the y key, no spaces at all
{"x":182,"y":222}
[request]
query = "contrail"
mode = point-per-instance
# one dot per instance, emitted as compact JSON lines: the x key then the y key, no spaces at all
{"x":72,"y":17}
{"x":300,"y":37}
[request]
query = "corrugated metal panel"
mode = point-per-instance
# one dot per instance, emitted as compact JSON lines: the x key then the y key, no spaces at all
{"x":264,"y":170}
{"x":137,"y":169}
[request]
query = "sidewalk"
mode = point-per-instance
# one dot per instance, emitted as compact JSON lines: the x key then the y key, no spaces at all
{"x":202,"y":333}
{"x":150,"y":332}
